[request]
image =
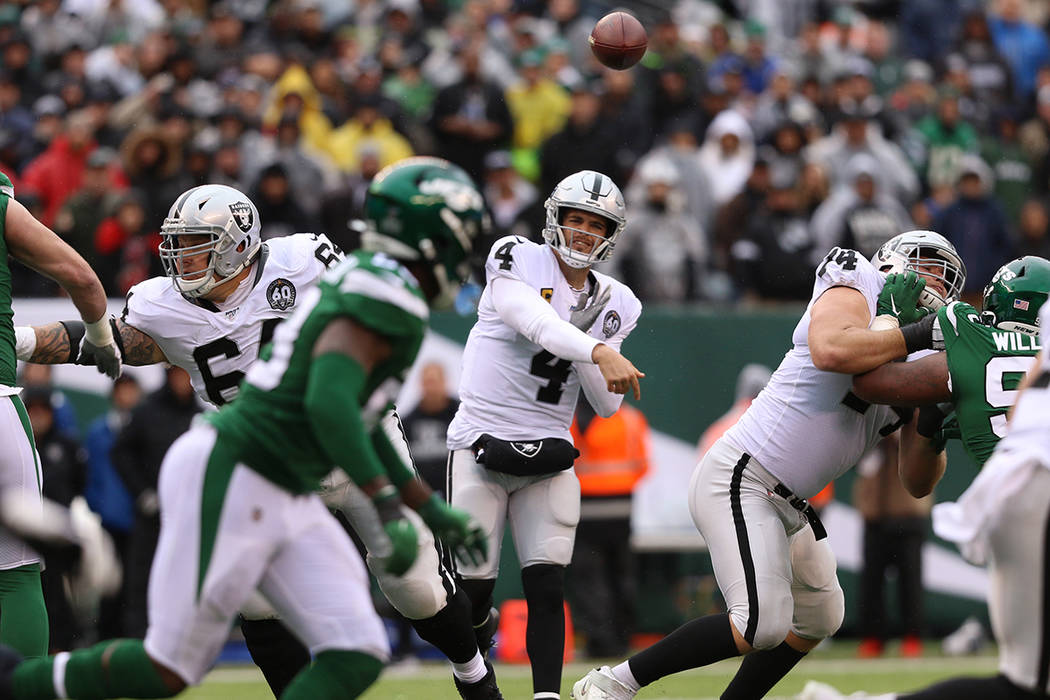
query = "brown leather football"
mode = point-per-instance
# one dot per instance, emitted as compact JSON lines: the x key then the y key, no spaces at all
{"x":618,"y":40}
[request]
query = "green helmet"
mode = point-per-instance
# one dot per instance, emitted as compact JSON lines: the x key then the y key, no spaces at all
{"x":426,"y":209}
{"x":1013,"y":297}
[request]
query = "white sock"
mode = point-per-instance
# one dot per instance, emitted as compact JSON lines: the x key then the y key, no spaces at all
{"x":546,"y":696}
{"x":472,"y":671}
{"x":622,"y":673}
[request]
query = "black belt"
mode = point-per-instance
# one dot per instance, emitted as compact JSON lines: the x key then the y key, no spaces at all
{"x":802,"y":506}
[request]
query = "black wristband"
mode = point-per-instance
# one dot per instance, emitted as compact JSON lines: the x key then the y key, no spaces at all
{"x":75,"y":331}
{"x":919,"y":335}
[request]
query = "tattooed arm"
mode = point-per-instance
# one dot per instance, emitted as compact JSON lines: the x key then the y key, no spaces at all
{"x":54,"y":344}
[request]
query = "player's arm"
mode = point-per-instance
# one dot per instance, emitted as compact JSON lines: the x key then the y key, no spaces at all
{"x":59,"y":343}
{"x":521,"y":308}
{"x":839,"y":338}
{"x":37,"y":246}
{"x":921,"y":464}
{"x":918,"y":383}
{"x":344,"y":355}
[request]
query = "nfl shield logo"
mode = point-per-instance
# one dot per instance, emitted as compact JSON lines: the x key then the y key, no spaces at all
{"x":1021,"y":304}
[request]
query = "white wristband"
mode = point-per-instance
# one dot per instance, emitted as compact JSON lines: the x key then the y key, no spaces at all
{"x":99,"y":333}
{"x":884,"y":322}
{"x":25,"y":342}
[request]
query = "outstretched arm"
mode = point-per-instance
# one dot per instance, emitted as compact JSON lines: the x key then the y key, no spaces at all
{"x":53,"y":344}
{"x":918,"y":383}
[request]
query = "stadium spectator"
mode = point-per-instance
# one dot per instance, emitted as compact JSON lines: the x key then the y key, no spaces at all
{"x":81,"y":214}
{"x":1022,"y":44}
{"x":1034,"y":229}
{"x":895,"y":526}
{"x":858,"y":216}
{"x":727,"y":155}
{"x":946,"y":139}
{"x":514,"y":201}
{"x":587,"y":141}
{"x":470,"y":118}
{"x":279,"y":209}
{"x":1011,"y":165}
{"x":538,"y":104}
{"x":663,"y":252}
{"x":57,"y":172}
{"x":976,"y":226}
{"x":426,"y":426}
{"x":105,"y":492}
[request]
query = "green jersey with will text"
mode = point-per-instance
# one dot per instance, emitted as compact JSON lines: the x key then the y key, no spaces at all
{"x":268,"y":421}
{"x":985,"y":366}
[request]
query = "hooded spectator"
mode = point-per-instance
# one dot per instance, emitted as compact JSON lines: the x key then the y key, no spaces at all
{"x":152,"y":162}
{"x":57,"y":172}
{"x":367,"y":125}
{"x":727,"y":156}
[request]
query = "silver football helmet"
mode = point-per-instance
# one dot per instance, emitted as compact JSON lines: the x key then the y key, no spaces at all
{"x":929,"y":254}
{"x":230,"y":221}
{"x":592,"y":192}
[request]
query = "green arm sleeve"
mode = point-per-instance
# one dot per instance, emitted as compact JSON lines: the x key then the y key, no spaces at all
{"x":331,"y":404}
{"x":392,"y":448}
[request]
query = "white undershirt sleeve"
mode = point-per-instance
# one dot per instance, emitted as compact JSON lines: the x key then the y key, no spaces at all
{"x":521,"y":308}
{"x":595,"y":388}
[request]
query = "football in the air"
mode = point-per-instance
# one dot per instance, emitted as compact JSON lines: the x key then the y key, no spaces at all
{"x":618,"y":40}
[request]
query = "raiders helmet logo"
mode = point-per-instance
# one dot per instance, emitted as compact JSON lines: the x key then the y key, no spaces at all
{"x":280,"y":294}
{"x":527,"y":449}
{"x":611,"y":324}
{"x":243,"y":216}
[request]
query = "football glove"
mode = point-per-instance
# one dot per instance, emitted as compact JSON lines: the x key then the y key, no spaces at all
{"x":404,"y":542}
{"x":457,"y":529}
{"x":591,"y":307}
{"x":99,"y":346}
{"x":900,"y":297}
{"x":929,"y":426}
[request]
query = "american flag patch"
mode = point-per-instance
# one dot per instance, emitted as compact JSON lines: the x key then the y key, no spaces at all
{"x":1021,"y":304}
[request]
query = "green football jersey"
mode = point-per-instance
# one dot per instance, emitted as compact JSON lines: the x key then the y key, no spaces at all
{"x":267,"y":423}
{"x":7,"y":324}
{"x":985,"y":366}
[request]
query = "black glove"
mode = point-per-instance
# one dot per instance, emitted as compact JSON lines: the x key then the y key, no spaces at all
{"x":929,"y":426}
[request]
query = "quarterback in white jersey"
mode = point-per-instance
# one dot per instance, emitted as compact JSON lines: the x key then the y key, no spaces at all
{"x":547,"y":325}
{"x":1003,"y":520}
{"x":214,"y":326}
{"x":747,"y":495}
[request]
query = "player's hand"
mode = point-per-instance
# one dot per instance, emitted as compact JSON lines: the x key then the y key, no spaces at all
{"x":592,"y":307}
{"x":100,"y":345}
{"x":928,"y":425}
{"x":404,"y":541}
{"x":900,"y":297}
{"x":404,"y":544}
{"x":457,"y":529}
{"x":620,"y":375}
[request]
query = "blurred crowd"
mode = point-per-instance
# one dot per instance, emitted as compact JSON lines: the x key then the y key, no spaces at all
{"x":752,"y":137}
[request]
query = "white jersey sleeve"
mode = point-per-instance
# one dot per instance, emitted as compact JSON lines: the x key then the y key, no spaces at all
{"x":807,"y":427}
{"x":215,"y":344}
{"x":511,"y":387}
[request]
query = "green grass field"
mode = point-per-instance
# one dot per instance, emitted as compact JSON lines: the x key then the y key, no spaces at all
{"x":432,"y":681}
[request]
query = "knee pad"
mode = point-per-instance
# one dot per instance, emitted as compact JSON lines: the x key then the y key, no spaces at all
{"x":544,"y":586}
{"x":420,"y":592}
{"x":819,"y":614}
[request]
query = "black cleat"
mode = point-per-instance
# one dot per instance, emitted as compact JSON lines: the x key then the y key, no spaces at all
{"x":10,"y":659}
{"x":486,"y":632}
{"x":485,"y":689}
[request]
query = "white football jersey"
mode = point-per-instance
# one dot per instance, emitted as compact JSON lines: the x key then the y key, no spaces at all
{"x":1029,"y":428}
{"x":807,"y":427}
{"x":510,"y":387}
{"x":217,"y":343}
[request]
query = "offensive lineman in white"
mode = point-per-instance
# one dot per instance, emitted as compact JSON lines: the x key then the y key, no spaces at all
{"x":213,"y":326}
{"x":547,"y":325}
{"x":771,"y":560}
{"x":1003,"y":520}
